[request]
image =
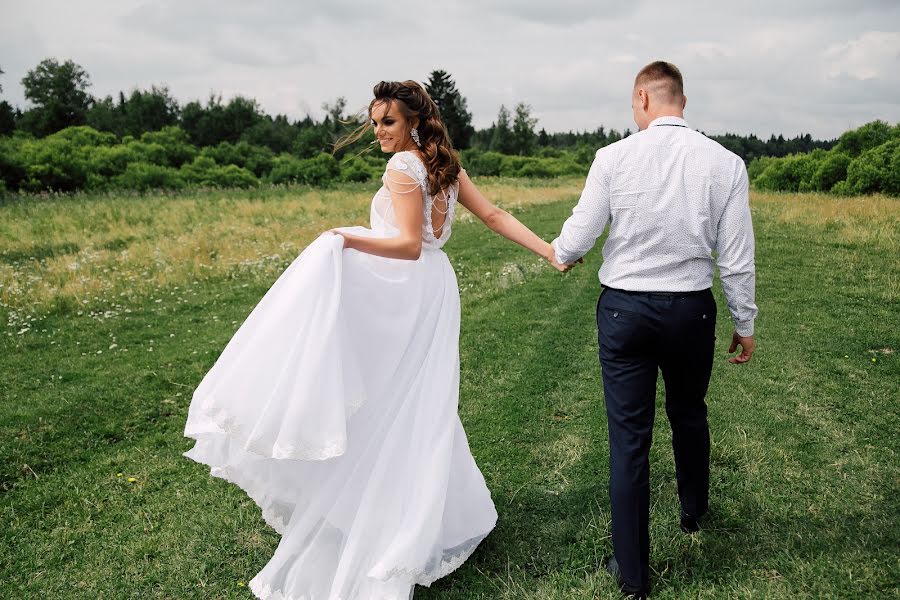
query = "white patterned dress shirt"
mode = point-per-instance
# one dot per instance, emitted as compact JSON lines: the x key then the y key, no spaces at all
{"x":673,"y":198}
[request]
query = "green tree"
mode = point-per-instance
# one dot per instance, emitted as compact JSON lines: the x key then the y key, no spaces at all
{"x":59,"y":93}
{"x":148,"y":110}
{"x":312,"y":141}
{"x":7,"y":118}
{"x":277,"y":134}
{"x":195,"y":120}
{"x":334,"y":114}
{"x":105,"y":115}
{"x":453,"y":108}
{"x":502,"y":140}
{"x":217,"y":122}
{"x":239,"y":116}
{"x":523,"y":130}
{"x":869,"y":136}
{"x":7,"y":115}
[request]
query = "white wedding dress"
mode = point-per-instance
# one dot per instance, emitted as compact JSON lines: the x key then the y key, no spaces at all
{"x":334,"y":406}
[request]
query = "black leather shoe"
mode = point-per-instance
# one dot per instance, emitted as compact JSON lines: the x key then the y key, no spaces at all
{"x":689,"y":524}
{"x":612,"y":567}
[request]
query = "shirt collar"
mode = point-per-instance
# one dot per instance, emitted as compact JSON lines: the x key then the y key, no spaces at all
{"x":668,"y":121}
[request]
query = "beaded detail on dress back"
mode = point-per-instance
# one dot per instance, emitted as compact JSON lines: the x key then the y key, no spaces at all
{"x":438,"y":210}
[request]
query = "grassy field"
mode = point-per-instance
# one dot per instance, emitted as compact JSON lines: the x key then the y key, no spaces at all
{"x":115,"y":307}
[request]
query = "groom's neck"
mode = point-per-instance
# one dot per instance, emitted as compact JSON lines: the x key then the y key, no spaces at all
{"x":667,"y":111}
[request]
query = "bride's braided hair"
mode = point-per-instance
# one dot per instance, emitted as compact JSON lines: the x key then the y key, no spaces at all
{"x":441,"y":160}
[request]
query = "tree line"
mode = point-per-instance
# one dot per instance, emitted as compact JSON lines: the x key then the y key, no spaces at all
{"x":70,"y":140}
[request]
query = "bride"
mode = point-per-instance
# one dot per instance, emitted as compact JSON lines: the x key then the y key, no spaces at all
{"x":334,"y":406}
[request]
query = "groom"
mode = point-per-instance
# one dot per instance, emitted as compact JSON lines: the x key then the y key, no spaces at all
{"x":676,"y":203}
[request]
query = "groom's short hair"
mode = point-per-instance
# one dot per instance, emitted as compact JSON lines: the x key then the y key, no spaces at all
{"x":665,"y":75}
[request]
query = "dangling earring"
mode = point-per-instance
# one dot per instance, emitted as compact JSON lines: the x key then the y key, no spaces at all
{"x":415,"y":136}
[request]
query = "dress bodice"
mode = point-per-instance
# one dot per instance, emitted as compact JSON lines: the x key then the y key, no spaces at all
{"x":382,"y":212}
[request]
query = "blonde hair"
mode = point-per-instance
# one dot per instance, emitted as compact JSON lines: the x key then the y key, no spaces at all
{"x":666,"y":75}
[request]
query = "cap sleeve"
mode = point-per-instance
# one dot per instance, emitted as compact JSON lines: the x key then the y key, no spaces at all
{"x":404,"y":174}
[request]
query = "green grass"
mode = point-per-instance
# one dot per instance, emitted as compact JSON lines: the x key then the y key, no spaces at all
{"x":805,"y":476}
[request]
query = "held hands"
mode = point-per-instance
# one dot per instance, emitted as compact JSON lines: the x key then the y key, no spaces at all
{"x":550,"y":256}
{"x":562,"y":268}
{"x":747,"y":347}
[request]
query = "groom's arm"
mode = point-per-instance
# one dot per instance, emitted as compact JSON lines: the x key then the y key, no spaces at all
{"x":589,"y":217}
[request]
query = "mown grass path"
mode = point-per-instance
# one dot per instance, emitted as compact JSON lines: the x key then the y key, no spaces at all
{"x":96,"y":500}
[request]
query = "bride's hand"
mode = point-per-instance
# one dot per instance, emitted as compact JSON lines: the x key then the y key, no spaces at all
{"x":340,"y":233}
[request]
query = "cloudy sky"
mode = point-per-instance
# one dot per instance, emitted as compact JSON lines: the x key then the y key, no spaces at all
{"x":782,"y":66}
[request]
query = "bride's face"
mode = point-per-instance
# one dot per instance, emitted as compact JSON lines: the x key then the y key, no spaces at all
{"x":391,"y":127}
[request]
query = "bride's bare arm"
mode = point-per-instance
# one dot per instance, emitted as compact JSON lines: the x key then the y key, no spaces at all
{"x":500,"y":221}
{"x":406,"y":196}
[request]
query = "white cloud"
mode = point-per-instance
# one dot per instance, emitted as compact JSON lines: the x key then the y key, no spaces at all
{"x":873,"y":55}
{"x":623,"y":59}
{"x":559,"y":12}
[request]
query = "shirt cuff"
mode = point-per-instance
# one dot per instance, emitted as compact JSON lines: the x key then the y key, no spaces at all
{"x":744,"y":328}
{"x":556,"y":252}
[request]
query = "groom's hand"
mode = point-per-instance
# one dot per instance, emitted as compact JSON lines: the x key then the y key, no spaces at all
{"x":562,"y":268}
{"x":747,"y":347}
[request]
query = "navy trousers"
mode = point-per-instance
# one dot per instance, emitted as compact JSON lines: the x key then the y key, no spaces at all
{"x":640,"y":334}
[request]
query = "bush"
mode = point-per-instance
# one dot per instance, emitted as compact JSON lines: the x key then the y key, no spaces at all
{"x":83,"y":135}
{"x":757,"y":166}
{"x":875,"y":170}
{"x":63,"y":161}
{"x":205,"y":172}
{"x":54,"y":163}
{"x":357,"y":169}
{"x":478,"y":163}
{"x":235,"y":176}
{"x":537,"y":168}
{"x":842,"y":189}
{"x":531,"y":166}
{"x":109,"y":161}
{"x":831,"y":170}
{"x":556,"y":163}
{"x":892,"y":181}
{"x":584,"y":155}
{"x":793,"y":173}
{"x":147,"y":152}
{"x":256,"y":159}
{"x":177,"y":149}
{"x":147,"y":176}
{"x":12,"y":167}
{"x":318,"y":170}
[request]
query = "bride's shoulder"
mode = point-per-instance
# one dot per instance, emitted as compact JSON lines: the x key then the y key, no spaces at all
{"x":405,"y":157}
{"x":406,"y":160}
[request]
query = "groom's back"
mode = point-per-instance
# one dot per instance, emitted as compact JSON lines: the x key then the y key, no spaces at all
{"x":668,"y":186}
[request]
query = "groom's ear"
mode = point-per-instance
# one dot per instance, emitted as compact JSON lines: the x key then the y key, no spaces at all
{"x":683,"y":101}
{"x":644,"y":98}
